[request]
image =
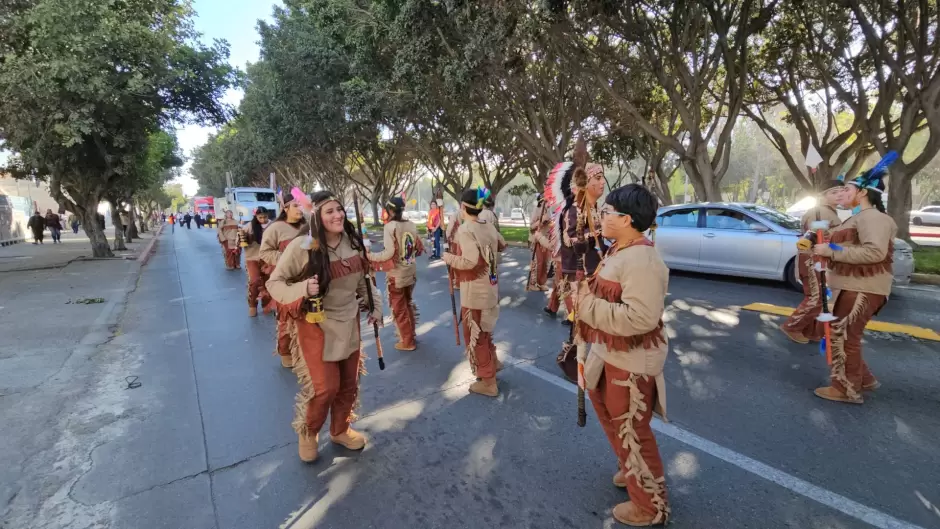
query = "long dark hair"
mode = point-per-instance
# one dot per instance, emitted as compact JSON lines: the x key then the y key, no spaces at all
{"x":256,"y":229}
{"x":287,"y":198}
{"x":318,"y":257}
{"x":876,"y":200}
{"x":395,"y":208}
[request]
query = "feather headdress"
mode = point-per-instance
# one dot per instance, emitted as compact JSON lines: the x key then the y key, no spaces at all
{"x":873,"y":179}
{"x":558,"y":186}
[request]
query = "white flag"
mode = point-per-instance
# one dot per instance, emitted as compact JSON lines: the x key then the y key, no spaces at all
{"x":812,"y":157}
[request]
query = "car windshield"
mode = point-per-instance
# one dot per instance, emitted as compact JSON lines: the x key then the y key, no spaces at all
{"x":780,"y":219}
{"x":255,"y":196}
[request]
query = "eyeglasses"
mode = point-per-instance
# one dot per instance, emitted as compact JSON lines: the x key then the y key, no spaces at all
{"x":608,"y":211}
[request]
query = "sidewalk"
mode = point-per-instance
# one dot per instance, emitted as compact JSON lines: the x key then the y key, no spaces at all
{"x":27,"y":256}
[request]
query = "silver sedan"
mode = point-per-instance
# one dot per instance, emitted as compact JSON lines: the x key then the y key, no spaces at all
{"x":744,"y":240}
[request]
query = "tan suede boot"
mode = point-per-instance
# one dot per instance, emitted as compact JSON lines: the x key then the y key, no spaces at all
{"x":833,"y":394}
{"x":871,"y":386}
{"x":307,"y":448}
{"x":628,"y":513}
{"x":402,"y":347}
{"x":287,"y":362}
{"x":252,"y":312}
{"x":620,"y":481}
{"x":794,"y":337}
{"x":499,"y":365}
{"x":351,"y":439}
{"x":487,"y":388}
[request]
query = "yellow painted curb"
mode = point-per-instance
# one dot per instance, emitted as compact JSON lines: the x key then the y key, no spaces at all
{"x":877,"y":326}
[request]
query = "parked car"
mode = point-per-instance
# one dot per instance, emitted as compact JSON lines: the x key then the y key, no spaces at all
{"x":744,"y":240}
{"x":516,"y":214}
{"x":926,"y":216}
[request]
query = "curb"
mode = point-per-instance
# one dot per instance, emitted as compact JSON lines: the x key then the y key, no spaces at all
{"x":925,"y":279}
{"x":148,"y":250}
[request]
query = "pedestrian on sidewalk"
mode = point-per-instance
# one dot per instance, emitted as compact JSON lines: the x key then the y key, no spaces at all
{"x":435,"y":229}
{"x":228,"y":239}
{"x":289,"y":225}
{"x":398,"y":259}
{"x":188,"y":220}
{"x":252,"y":235}
{"x":54,"y":223}
{"x":74,"y":222}
{"x":861,"y":273}
{"x":802,"y":326}
{"x":620,"y":310}
{"x":327,"y":267}
{"x":172,"y":220}
{"x":476,"y":270}
{"x":101,"y":221}
{"x":37,"y":224}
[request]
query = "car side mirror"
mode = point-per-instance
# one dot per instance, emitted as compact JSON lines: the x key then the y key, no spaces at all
{"x":760,"y":228}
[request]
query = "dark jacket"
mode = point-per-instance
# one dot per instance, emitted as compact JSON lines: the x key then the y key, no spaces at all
{"x":576,"y":247}
{"x":53,"y":221}
{"x":36,"y":223}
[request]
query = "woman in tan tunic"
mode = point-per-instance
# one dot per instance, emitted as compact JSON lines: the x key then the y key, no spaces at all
{"x":328,"y":265}
{"x":620,"y":314}
{"x":802,"y":326}
{"x":861,"y":273}
{"x":475,"y":267}
{"x":252,"y":235}
{"x":288,"y":226}
{"x":397,"y":259}
{"x":227,"y":234}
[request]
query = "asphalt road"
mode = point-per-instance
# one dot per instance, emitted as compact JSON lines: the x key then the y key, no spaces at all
{"x":748,"y":445}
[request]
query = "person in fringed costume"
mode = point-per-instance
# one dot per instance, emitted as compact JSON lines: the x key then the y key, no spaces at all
{"x":251,"y":236}
{"x":802,"y":326}
{"x":475,"y":267}
{"x":289,"y":225}
{"x":540,"y":239}
{"x":620,"y":311}
{"x":861,"y":271}
{"x":487,"y":214}
{"x":320,"y":285}
{"x":572,"y":191}
{"x":227,"y":234}
{"x":398,"y":259}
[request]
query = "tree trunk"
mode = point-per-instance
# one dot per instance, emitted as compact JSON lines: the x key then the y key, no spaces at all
{"x":376,"y":218}
{"x":118,"y":227}
{"x":132,"y":228}
{"x":702,"y":179}
{"x":99,"y":240}
{"x":899,"y":200}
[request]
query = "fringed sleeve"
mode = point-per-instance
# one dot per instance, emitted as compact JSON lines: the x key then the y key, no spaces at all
{"x":286,"y":294}
{"x":641,"y":305}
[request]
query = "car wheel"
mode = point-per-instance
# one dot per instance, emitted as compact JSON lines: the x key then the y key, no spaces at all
{"x":917,"y":221}
{"x":792,"y":276}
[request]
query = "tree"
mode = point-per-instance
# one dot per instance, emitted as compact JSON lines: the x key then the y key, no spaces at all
{"x":901,"y":38}
{"x":697,"y":56}
{"x":177,"y":199}
{"x":525,"y":193}
{"x":83,"y":83}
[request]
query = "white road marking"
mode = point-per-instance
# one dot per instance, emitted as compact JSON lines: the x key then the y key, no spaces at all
{"x":792,"y":483}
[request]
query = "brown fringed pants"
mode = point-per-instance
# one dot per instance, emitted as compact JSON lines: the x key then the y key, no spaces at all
{"x":624,"y":405}
{"x":232,"y":257}
{"x":558,"y":289}
{"x":481,"y":352}
{"x":325,"y":387}
{"x":538,"y":275}
{"x":849,"y":373}
{"x":256,"y":281}
{"x":803,"y":320}
{"x":286,"y":335}
{"x":404,"y":311}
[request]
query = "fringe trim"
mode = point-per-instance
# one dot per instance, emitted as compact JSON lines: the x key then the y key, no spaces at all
{"x":635,"y":465}
{"x":338,"y":269}
{"x":472,"y":339}
{"x":606,"y":289}
{"x":532,"y":282}
{"x":838,"y":330}
{"x":384,"y":266}
{"x":648,"y":340}
{"x":849,"y":236}
{"x":474,"y":273}
{"x":307,"y":391}
{"x":354,"y":412}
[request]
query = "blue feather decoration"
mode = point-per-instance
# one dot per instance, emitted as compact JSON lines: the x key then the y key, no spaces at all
{"x":883,"y":165}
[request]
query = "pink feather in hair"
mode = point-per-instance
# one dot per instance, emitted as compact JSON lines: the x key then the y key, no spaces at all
{"x":302,"y":199}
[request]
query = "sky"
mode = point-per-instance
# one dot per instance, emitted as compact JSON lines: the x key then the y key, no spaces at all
{"x":234,"y":21}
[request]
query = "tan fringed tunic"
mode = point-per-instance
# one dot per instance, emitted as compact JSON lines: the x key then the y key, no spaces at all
{"x":398,"y":259}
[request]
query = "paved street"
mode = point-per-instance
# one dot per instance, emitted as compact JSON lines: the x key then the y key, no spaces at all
{"x":205,"y":441}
